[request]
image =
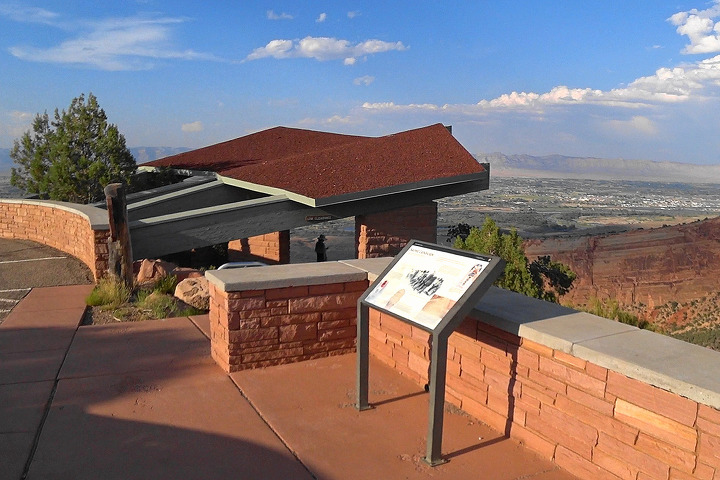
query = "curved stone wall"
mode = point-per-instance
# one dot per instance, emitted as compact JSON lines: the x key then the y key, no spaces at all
{"x":79,"y":230}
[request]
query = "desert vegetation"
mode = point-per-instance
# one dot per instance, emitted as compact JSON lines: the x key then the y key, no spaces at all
{"x":112,"y":301}
{"x":540,"y":278}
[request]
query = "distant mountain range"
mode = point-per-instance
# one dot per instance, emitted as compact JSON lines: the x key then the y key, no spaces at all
{"x":559,"y":166}
{"x":501,"y":165}
{"x":148,"y":154}
{"x":141,"y":154}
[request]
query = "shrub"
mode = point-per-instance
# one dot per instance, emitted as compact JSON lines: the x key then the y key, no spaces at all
{"x":108,"y":293}
{"x":160,"y":305}
{"x":541,"y":278}
{"x":166,"y":284}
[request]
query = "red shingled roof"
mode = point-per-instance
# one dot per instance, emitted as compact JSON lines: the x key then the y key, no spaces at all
{"x":320,"y":165}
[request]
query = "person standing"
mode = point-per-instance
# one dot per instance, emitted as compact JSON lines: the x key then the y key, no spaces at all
{"x":321,"y":249}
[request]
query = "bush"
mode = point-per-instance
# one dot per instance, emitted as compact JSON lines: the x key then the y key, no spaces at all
{"x":542,"y":278}
{"x":160,"y":305}
{"x":610,"y":309}
{"x":166,"y":284}
{"x":143,"y":304}
{"x":109,"y":293}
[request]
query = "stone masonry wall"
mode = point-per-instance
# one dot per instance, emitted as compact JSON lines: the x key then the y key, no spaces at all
{"x":271,"y":248}
{"x":385,"y":234}
{"x":58,"y":228}
{"x":591,"y":421}
{"x":259,"y":328}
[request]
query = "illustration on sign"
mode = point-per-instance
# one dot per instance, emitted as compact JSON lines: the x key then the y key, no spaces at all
{"x":425,"y":284}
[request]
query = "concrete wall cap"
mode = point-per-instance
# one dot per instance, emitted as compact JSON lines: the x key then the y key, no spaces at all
{"x":96,"y":217}
{"x":281,"y":276}
{"x":372,"y":266}
{"x":665,"y":362}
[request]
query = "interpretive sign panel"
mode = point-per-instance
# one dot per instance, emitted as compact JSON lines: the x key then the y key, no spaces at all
{"x":434,"y":288}
{"x":426,"y":282}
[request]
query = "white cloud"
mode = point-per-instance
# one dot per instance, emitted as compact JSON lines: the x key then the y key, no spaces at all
{"x":321,"y":18}
{"x":192,"y":127}
{"x":271,"y":15}
{"x":323,"y":49}
{"x":29,"y":14}
{"x":14,"y":124}
{"x":637,"y":123}
{"x":701,"y":30}
{"x":666,"y":86}
{"x":21,"y":117}
{"x":364,"y":80}
{"x":130,"y":43}
{"x":335,"y":120}
{"x":353,"y":14}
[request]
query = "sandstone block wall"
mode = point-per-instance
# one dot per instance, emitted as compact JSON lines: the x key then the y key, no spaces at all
{"x":271,"y":248}
{"x":259,"y":328}
{"x":591,"y":421}
{"x":385,"y":234}
{"x":59,"y":227}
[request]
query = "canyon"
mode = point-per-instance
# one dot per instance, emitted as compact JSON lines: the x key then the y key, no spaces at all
{"x":642,"y":268}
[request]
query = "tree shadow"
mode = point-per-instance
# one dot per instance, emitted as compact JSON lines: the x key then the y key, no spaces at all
{"x":141,"y":400}
{"x":109,"y":448}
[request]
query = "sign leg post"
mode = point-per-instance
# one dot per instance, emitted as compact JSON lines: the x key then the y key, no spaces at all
{"x":438,"y":368}
{"x":363,"y":353}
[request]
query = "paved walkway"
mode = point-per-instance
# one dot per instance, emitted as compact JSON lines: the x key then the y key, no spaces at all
{"x":25,"y":264}
{"x":145,"y":400}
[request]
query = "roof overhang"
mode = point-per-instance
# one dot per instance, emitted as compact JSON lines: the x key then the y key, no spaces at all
{"x":210,"y":211}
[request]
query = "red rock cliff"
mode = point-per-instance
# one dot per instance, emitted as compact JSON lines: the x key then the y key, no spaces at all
{"x":652,"y":267}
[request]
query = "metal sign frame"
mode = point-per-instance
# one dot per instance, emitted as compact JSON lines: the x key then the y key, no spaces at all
{"x":470,"y":284}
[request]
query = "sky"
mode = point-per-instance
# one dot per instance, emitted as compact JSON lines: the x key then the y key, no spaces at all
{"x":636,"y":79}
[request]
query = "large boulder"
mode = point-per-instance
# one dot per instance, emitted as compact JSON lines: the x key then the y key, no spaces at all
{"x":150,"y":271}
{"x":195,"y":292}
{"x":181,"y":273}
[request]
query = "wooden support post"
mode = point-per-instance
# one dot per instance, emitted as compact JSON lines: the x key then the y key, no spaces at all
{"x":119,"y":247}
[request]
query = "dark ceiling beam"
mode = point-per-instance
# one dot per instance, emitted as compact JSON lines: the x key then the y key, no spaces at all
{"x":199,"y":227}
{"x":192,"y":197}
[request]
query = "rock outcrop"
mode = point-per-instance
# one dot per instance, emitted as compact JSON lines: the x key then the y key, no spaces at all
{"x":147,"y":271}
{"x":650,"y":267}
{"x":194,"y":291}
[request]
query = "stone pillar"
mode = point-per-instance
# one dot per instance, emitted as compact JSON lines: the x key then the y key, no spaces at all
{"x":271,"y":248}
{"x":385,"y":234}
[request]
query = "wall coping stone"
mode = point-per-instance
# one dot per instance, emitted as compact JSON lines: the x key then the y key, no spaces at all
{"x":373,"y":266}
{"x":96,"y":217}
{"x":682,"y":368}
{"x":281,"y":276}
{"x":665,"y":362}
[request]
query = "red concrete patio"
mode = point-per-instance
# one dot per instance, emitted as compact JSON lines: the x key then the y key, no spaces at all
{"x":145,"y":400}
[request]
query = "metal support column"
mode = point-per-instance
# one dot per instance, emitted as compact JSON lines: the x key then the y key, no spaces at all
{"x":363,"y":354}
{"x":438,"y":368}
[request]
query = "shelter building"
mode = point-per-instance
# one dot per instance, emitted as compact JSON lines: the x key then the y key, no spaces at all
{"x":252,"y":190}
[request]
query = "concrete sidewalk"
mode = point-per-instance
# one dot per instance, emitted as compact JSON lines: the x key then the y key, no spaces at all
{"x":145,"y":400}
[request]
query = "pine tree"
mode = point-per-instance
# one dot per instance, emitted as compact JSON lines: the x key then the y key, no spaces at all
{"x":73,"y":157}
{"x":519,"y":275}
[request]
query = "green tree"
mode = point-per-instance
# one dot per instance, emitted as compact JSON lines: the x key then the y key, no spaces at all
{"x":540,"y":279}
{"x":73,"y":157}
{"x":555,"y":274}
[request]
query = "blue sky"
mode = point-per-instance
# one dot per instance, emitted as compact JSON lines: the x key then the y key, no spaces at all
{"x":637,"y":79}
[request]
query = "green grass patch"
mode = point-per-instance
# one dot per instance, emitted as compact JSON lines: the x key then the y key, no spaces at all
{"x":166,"y":284}
{"x":141,"y":304}
{"x":108,"y":294}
